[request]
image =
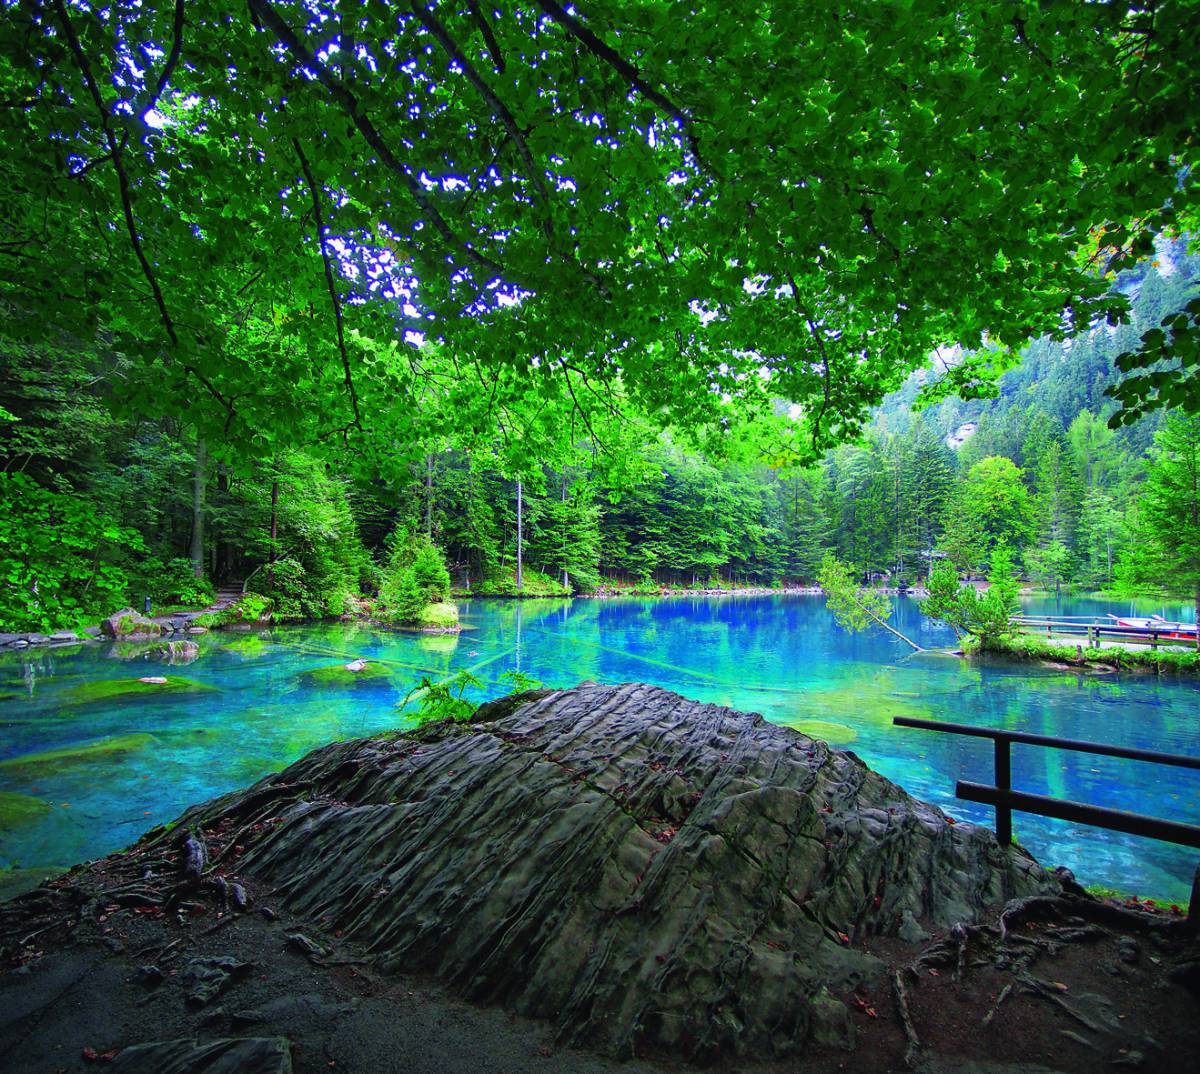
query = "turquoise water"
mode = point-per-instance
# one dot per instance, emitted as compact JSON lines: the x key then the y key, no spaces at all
{"x":111,"y":767}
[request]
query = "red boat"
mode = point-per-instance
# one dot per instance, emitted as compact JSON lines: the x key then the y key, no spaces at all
{"x":1156,"y":624}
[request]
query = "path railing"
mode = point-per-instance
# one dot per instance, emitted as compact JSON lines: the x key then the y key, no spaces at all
{"x":1004,"y":799}
{"x":1094,"y":628}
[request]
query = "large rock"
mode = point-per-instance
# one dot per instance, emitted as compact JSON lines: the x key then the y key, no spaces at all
{"x":441,"y":616}
{"x":128,"y":625}
{"x":636,"y":867}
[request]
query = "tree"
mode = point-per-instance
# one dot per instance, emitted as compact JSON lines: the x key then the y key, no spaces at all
{"x":964,"y":609}
{"x":856,"y":607}
{"x":1170,"y":507}
{"x":245,"y":212}
{"x":988,"y":510}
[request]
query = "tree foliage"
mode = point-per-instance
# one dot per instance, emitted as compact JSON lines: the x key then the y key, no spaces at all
{"x":253,"y":206}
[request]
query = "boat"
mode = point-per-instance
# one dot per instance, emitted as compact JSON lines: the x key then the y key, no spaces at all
{"x":1156,"y":624}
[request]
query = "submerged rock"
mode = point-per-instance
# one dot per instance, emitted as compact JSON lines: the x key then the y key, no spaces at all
{"x":635,"y":867}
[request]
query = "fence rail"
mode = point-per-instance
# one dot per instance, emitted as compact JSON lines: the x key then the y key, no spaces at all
{"x":1004,"y":799}
{"x":1094,"y":628}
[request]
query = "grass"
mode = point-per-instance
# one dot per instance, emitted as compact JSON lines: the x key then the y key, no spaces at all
{"x":1027,"y":647}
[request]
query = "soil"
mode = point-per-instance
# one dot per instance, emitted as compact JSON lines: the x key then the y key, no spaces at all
{"x":90,"y":986}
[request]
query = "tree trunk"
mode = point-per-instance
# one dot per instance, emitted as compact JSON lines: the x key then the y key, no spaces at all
{"x":566,"y":580}
{"x":429,"y":497}
{"x":196,"y":549}
{"x":520,"y":537}
{"x":274,"y":532}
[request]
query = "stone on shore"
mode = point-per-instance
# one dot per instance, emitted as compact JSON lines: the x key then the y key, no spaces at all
{"x":128,"y":625}
{"x":634,"y":867}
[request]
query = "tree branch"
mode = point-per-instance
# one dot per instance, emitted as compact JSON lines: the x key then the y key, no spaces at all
{"x":489,"y":37}
{"x":330,"y":283}
{"x":164,"y":76}
{"x":451,"y":47}
{"x":265,"y":14}
{"x":627,"y":70}
{"x":114,"y":150}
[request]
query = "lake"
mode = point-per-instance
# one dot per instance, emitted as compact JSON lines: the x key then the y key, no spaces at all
{"x":89,"y":759}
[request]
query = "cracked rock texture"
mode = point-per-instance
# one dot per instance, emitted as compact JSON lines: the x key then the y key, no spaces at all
{"x":636,"y":868}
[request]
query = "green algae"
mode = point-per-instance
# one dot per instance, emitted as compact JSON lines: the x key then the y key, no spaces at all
{"x":18,"y":808}
{"x":81,"y":754}
{"x":105,"y":690}
{"x":248,"y":647}
{"x":340,"y":675}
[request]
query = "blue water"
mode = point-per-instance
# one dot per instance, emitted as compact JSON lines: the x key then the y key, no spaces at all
{"x":781,"y":656}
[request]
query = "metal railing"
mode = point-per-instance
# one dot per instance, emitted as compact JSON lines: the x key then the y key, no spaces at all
{"x":1094,"y":628}
{"x":1004,"y":799}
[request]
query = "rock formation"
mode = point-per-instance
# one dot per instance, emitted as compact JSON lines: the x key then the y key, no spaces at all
{"x":636,"y":868}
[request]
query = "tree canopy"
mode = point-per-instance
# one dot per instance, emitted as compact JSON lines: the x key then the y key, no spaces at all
{"x":254,"y":207}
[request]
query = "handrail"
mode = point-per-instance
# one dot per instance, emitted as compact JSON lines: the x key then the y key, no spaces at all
{"x":1004,"y":799}
{"x":1154,"y":756}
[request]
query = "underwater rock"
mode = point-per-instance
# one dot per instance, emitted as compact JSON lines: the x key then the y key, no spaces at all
{"x":345,"y":675}
{"x":635,"y":867}
{"x":126,"y":690}
{"x":70,"y":755}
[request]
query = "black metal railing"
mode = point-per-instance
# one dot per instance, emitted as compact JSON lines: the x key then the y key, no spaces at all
{"x":1004,"y":799}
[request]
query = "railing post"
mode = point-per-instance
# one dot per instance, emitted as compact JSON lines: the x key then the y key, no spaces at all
{"x":1004,"y":785}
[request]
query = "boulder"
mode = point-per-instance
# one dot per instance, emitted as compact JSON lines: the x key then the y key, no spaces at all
{"x":635,"y":867}
{"x":439,"y":616}
{"x":128,"y":625}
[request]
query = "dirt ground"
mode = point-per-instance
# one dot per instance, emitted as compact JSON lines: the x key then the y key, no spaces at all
{"x":1070,"y":987}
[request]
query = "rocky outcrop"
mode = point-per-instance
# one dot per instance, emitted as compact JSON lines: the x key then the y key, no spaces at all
{"x":128,"y":625}
{"x":637,"y":868}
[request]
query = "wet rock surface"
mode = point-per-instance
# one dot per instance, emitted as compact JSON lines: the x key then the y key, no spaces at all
{"x":637,"y":868}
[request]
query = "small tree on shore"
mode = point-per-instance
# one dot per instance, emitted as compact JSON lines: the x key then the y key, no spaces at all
{"x":967,"y":611}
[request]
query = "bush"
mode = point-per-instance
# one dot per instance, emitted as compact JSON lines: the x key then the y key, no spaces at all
{"x":414,"y":577}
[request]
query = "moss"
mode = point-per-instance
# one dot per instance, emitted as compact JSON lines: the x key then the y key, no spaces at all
{"x":251,"y":608}
{"x":441,"y":615}
{"x":339,"y":675}
{"x":533,"y":584}
{"x":69,"y":755}
{"x":18,"y":809}
{"x":104,"y":690}
{"x":1026,"y":647}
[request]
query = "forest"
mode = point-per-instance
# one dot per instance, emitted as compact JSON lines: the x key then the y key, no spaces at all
{"x":558,"y":322}
{"x":100,"y":511}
